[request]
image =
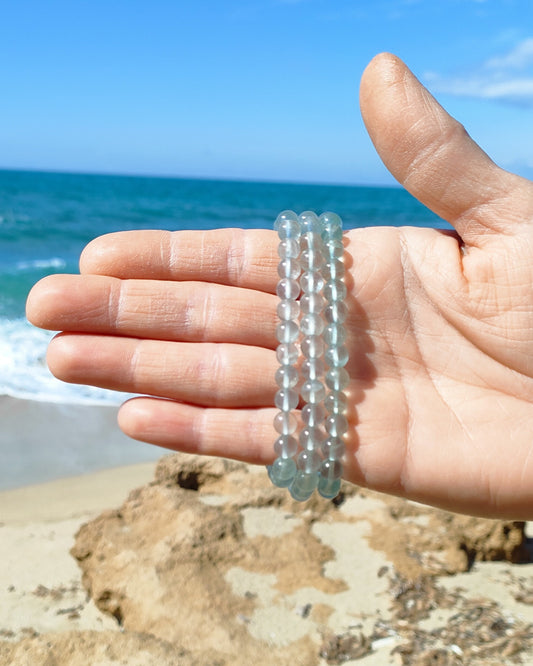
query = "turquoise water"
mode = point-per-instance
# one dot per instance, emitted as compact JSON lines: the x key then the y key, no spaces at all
{"x":47,"y":218}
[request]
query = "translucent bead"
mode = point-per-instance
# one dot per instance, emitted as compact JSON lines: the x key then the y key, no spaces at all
{"x":289,"y":249}
{"x":287,"y":331}
{"x":336,"y":357}
{"x":287,"y":353}
{"x":286,"y":446}
{"x":331,"y":223}
{"x":335,"y":249}
{"x":336,"y":402}
{"x":287,"y":225}
{"x":312,"y":259}
{"x":311,"y":324}
{"x":312,"y":438}
{"x":288,"y":289}
{"x":329,"y":489}
{"x":303,"y":485}
{"x":333,"y":448}
{"x":282,"y":472}
{"x":286,"y":376}
{"x":334,"y":269}
{"x":337,"y":379}
{"x":313,"y":368}
{"x":311,"y":303}
{"x":331,"y":469}
{"x":311,"y":282}
{"x":289,"y":268}
{"x":337,"y":425}
{"x":288,"y":309}
{"x":309,"y":461}
{"x":286,"y":399}
{"x":313,"y":415}
{"x":285,"y":423}
{"x":334,"y":290}
{"x":309,"y":222}
{"x":336,"y":313}
{"x":312,"y":346}
{"x":313,"y":391}
{"x":334,"y":335}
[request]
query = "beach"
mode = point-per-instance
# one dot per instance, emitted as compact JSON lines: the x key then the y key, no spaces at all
{"x":201,"y":561}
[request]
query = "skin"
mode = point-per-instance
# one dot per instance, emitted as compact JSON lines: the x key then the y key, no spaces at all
{"x":440,"y":324}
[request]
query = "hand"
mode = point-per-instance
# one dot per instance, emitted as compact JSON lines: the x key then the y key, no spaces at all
{"x":440,"y":324}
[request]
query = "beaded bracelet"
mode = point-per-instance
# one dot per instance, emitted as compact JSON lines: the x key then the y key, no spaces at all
{"x":311,"y":312}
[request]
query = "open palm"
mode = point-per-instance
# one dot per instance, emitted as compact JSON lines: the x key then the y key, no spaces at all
{"x":440,"y":324}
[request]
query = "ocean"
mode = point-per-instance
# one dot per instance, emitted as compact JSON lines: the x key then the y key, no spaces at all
{"x":47,"y":218}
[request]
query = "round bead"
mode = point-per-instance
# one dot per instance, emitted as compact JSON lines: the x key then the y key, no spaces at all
{"x":313,"y":415}
{"x":313,"y":368}
{"x":282,"y":472}
{"x":309,"y":222}
{"x":336,"y":313}
{"x":309,"y":461}
{"x":336,"y":402}
{"x":285,"y":423}
{"x":287,"y":353}
{"x":313,"y":391}
{"x":311,"y":303}
{"x":311,"y":282}
{"x":333,"y":448}
{"x":334,"y":269}
{"x":337,"y":379}
{"x":329,"y":489}
{"x":336,"y":357}
{"x":288,"y":309}
{"x":312,"y":346}
{"x":286,"y":446}
{"x":331,"y":469}
{"x":330,"y":222}
{"x":312,"y":259}
{"x":335,"y":249}
{"x":287,"y":331}
{"x":335,"y":290}
{"x":303,"y":485}
{"x":337,"y":425}
{"x":288,"y":289}
{"x":286,"y":399}
{"x":311,"y":324}
{"x":289,"y":249}
{"x":289,"y":268}
{"x":287,"y":225}
{"x":311,"y":438}
{"x":286,"y":376}
{"x":334,"y":335}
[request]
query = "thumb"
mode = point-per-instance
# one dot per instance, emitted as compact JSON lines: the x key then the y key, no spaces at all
{"x":433,"y":157}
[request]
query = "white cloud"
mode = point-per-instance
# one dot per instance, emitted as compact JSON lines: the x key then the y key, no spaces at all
{"x":506,"y":78}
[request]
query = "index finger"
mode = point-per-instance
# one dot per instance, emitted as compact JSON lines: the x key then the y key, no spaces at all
{"x":234,"y":257}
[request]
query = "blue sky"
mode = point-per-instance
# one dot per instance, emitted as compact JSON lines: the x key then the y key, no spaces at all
{"x":254,"y":89}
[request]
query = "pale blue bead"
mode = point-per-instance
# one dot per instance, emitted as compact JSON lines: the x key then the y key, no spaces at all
{"x":334,"y":269}
{"x":284,"y":216}
{"x":285,"y":423}
{"x":282,"y":472}
{"x":337,"y":379}
{"x":286,"y":446}
{"x":313,"y":368}
{"x":312,"y":438}
{"x":288,"y":309}
{"x":286,"y":376}
{"x":288,"y":289}
{"x":333,"y":448}
{"x":287,"y":225}
{"x":330,"y":221}
{"x":335,"y":249}
{"x":289,"y":249}
{"x":289,"y":268}
{"x":336,"y":402}
{"x":312,"y":259}
{"x":311,"y":324}
{"x":334,"y":290}
{"x":329,"y":489}
{"x":309,"y":461}
{"x":331,"y":469}
{"x":336,"y":357}
{"x":337,"y":425}
{"x":334,"y":335}
{"x":311,"y":303}
{"x":313,"y":391}
{"x":336,"y":313}
{"x":311,"y":282}
{"x":309,"y":222}
{"x":312,"y":346}
{"x":313,"y":415}
{"x":303,"y":486}
{"x":287,"y":353}
{"x":286,"y":399}
{"x":287,"y":331}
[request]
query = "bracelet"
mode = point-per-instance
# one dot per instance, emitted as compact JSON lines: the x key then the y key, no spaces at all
{"x":311,"y":315}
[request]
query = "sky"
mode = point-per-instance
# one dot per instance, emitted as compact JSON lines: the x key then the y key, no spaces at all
{"x":250,"y":89}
